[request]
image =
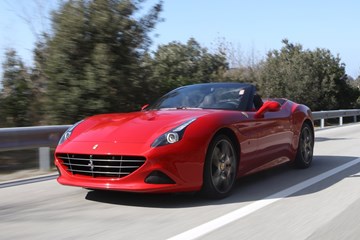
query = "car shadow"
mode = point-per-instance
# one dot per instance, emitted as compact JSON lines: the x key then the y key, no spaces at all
{"x":247,"y":189}
{"x":324,"y":139}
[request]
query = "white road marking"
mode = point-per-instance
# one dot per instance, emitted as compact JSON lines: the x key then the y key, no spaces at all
{"x":244,"y":211}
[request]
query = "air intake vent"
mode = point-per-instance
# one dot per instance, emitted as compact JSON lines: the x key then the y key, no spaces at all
{"x":100,"y":165}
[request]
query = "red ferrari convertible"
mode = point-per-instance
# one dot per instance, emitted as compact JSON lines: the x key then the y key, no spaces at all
{"x":199,"y":137}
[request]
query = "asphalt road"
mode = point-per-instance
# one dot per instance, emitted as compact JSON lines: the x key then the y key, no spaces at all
{"x":322,"y":202}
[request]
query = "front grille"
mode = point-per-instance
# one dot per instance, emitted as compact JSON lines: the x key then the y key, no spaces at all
{"x":100,"y":165}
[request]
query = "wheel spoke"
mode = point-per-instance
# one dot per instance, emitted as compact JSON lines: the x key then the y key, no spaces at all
{"x":216,"y":156}
{"x":227,"y":182}
{"x":226,"y":150}
{"x":217,"y":178}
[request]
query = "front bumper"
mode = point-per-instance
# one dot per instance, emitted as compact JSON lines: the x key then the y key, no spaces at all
{"x":180,"y":163}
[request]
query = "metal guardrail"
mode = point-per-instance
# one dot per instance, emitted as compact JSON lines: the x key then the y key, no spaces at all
{"x":46,"y":137}
{"x":322,"y":115}
{"x":30,"y":137}
{"x":42,"y":137}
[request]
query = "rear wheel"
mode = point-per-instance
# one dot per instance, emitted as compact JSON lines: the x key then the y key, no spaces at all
{"x":305,"y":149}
{"x":220,"y":167}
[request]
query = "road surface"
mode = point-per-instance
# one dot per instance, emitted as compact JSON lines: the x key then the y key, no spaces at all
{"x":322,"y":202}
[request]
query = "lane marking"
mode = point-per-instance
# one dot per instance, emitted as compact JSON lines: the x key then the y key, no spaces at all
{"x":244,"y":211}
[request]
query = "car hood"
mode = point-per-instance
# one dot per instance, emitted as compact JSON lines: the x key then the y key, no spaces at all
{"x":137,"y":127}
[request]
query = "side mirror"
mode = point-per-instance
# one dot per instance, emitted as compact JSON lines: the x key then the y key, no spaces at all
{"x":269,"y":106}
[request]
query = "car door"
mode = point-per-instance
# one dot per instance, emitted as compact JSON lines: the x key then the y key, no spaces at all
{"x":272,"y":137}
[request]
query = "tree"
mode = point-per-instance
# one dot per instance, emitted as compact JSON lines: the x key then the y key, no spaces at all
{"x":315,"y":78}
{"x":176,"y":64}
{"x":93,"y":57}
{"x":39,"y":82}
{"x":355,"y":83}
{"x":244,"y":67}
{"x":16,"y":95}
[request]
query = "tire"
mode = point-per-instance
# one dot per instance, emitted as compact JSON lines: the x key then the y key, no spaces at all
{"x":304,"y":154}
{"x":220,"y":168}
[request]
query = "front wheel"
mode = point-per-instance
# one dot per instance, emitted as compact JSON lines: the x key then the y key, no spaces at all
{"x":304,"y":154}
{"x":220,"y":168}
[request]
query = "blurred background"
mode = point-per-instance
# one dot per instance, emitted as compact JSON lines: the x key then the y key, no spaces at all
{"x":98,"y":56}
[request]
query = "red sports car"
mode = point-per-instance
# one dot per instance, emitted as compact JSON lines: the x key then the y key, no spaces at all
{"x":195,"y":138}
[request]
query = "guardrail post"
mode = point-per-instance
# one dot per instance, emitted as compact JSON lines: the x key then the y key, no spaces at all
{"x":44,"y":158}
{"x":322,"y":123}
{"x":340,"y":121}
{"x":355,"y":119}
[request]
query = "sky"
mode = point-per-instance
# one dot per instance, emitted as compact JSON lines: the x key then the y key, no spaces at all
{"x":252,"y":28}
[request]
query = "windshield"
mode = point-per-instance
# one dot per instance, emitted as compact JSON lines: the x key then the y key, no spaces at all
{"x":228,"y":96}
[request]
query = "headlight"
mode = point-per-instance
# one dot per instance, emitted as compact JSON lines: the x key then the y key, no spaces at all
{"x":172,"y":136}
{"x":68,"y":133}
